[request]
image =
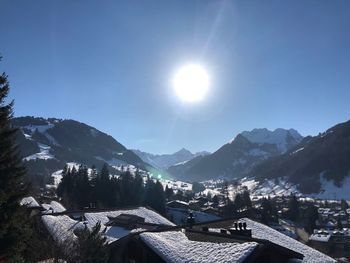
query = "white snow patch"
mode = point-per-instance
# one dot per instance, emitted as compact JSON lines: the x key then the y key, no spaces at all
{"x":298,"y":150}
{"x":27,"y":136}
{"x":40,"y":128}
{"x":330,"y":191}
{"x":44,"y":153}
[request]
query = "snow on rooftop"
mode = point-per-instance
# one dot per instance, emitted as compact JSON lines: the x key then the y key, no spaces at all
{"x":62,"y":229}
{"x":320,"y":237}
{"x":177,"y":185}
{"x":264,"y":232}
{"x":149,"y":215}
{"x":53,"y":207}
{"x":29,"y":202}
{"x":174,"y":246}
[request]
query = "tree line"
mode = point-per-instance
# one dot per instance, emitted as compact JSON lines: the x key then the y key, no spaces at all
{"x":83,"y":187}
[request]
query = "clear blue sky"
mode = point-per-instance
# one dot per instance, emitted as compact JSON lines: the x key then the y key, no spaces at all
{"x":110,"y":63}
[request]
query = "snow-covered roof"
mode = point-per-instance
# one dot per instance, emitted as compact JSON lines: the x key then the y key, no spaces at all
{"x":29,"y":202}
{"x":174,"y":246}
{"x":264,"y":232}
{"x":62,"y":229}
{"x":53,"y":207}
{"x":150,"y":216}
{"x":179,"y":216}
{"x":178,"y":202}
{"x":320,"y":237}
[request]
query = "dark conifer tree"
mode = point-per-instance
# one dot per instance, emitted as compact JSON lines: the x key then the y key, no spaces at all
{"x":311,"y":217}
{"x":238,"y":202}
{"x":92,"y":247}
{"x":82,"y":190}
{"x":293,"y":206}
{"x":169,"y":193}
{"x":159,"y":198}
{"x":14,"y":229}
{"x":104,"y":188}
{"x":246,"y":200}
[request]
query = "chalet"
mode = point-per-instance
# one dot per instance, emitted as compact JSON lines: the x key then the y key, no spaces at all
{"x":183,"y":245}
{"x":335,"y":243}
{"x":266,"y":234}
{"x":177,"y":204}
{"x":139,"y":234}
{"x":210,"y":210}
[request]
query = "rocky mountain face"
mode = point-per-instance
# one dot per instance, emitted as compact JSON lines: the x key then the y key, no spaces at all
{"x":164,"y":161}
{"x":313,"y":162}
{"x":46,"y":145}
{"x":237,"y":158}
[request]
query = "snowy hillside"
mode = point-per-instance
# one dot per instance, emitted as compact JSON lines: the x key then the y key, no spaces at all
{"x":47,"y":145}
{"x":316,"y":163}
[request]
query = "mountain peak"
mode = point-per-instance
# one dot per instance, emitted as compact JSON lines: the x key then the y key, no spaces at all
{"x":282,"y":138}
{"x":183,"y":151}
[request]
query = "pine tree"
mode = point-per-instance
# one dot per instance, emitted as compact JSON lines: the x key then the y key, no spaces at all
{"x":159,"y":196}
{"x":169,"y":193}
{"x":92,"y":247}
{"x":238,"y":201}
{"x":104,"y":188}
{"x":14,"y":230}
{"x":246,"y":199}
{"x":293,"y":206}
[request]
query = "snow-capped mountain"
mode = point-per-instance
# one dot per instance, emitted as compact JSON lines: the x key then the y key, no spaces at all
{"x":46,"y":145}
{"x":238,"y":157}
{"x":318,"y":164}
{"x":283,"y":139}
{"x":163,"y":161}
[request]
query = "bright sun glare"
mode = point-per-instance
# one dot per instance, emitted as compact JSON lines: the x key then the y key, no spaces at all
{"x":191,"y":83}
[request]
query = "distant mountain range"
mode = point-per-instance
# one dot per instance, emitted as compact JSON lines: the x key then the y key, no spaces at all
{"x":238,"y":157}
{"x":310,"y":163}
{"x":48,"y":144}
{"x":314,"y":162}
{"x":164,"y":161}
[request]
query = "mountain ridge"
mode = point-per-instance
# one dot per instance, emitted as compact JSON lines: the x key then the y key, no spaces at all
{"x":163,"y":161}
{"x":236,"y":158}
{"x":48,"y":144}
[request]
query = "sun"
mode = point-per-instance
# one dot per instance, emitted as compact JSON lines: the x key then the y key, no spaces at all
{"x":191,"y":83}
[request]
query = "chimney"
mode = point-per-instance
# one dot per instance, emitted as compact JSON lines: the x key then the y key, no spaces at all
{"x":190,"y":220}
{"x":240,"y":229}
